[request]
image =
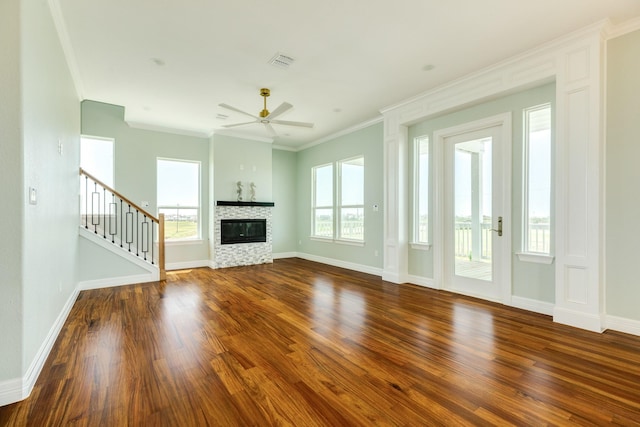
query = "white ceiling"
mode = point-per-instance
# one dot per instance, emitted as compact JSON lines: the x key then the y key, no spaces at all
{"x":352,"y":57}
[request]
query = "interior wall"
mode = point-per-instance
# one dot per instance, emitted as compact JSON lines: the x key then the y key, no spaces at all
{"x":284,"y":221}
{"x":530,"y":280}
{"x":623,"y":176}
{"x":247,"y":161}
{"x":94,"y":263}
{"x":367,"y":142}
{"x":51,"y":138}
{"x":12,"y":192}
{"x":135,"y":159}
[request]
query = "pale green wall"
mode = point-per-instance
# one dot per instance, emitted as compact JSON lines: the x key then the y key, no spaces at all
{"x":238,"y":159}
{"x":533,"y":281}
{"x":38,"y":250}
{"x":136,"y":154}
{"x":284,"y":222}
{"x":367,"y":142}
{"x":623,"y":176}
{"x":109,"y":266}
{"x":51,"y":113}
{"x":12,"y":192}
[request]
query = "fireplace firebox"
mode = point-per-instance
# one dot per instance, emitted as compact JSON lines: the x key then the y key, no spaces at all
{"x":243,"y":231}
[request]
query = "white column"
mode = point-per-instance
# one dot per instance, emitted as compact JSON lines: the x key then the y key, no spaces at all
{"x":396,"y":212}
{"x":579,"y":186}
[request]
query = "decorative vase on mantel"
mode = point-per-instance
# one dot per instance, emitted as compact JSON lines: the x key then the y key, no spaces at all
{"x":239,"y":190}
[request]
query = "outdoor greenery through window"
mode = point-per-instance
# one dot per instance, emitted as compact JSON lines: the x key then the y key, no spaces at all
{"x":343,"y":184}
{"x":179,"y":198}
{"x":352,"y":199}
{"x":537,"y":180}
{"x":421,"y":188}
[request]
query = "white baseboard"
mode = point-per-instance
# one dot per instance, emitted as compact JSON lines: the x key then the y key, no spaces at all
{"x":425,"y":282}
{"x":577,"y":319}
{"x":285,"y":255}
{"x":342,"y":264}
{"x":17,"y":389}
{"x":110,"y":282}
{"x":188,"y":264}
{"x":11,"y":391}
{"x":622,"y":324}
{"x":393,"y":277}
{"x":532,"y":305}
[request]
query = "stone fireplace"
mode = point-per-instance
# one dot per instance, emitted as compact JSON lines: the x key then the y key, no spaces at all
{"x":249,"y":253}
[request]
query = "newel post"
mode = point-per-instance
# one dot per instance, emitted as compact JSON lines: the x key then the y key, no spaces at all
{"x":163,"y":272}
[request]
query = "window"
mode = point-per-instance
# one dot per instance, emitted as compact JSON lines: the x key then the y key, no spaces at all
{"x":537,"y":180}
{"x":351,"y":199}
{"x":179,"y":198}
{"x":343,"y":184}
{"x":96,"y":158}
{"x":323,"y":201}
{"x":421,"y":190}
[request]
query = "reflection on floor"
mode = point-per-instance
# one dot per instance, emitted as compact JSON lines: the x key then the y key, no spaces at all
{"x":473,"y":269}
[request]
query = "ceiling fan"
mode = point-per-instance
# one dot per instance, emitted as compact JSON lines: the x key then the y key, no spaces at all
{"x":265,"y":117}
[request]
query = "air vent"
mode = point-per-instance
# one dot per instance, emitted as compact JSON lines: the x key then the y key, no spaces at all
{"x":282,"y":61}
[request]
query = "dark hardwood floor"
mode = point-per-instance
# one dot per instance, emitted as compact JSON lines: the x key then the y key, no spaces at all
{"x":304,"y":344}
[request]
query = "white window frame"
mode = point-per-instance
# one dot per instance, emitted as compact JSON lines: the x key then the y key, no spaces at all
{"x":340,"y":206}
{"x":198,"y":237}
{"x":525,"y":254}
{"x":337,"y":203}
{"x":112,"y":184}
{"x":314,"y":207}
{"x":420,"y":193}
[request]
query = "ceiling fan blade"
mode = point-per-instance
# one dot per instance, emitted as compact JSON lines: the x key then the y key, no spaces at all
{"x":270,"y":129}
{"x":229,"y":107}
{"x":285,"y":106}
{"x":239,"y":124}
{"x":285,"y":122}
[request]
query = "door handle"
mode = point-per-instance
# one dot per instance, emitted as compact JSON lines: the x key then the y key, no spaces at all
{"x":499,"y":230}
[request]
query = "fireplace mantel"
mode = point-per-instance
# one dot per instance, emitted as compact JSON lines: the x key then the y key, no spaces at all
{"x":235,"y":203}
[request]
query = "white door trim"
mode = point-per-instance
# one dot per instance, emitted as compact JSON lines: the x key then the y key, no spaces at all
{"x":439,"y":136}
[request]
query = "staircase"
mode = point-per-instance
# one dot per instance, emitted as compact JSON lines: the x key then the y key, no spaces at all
{"x":117,"y":220}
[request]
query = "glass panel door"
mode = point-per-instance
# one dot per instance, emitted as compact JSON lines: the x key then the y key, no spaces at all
{"x":472,"y":209}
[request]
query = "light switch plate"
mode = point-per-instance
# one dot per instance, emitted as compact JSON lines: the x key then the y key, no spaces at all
{"x":33,"y":196}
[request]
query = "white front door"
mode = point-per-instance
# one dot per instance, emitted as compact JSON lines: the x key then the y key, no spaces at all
{"x":476,"y":212}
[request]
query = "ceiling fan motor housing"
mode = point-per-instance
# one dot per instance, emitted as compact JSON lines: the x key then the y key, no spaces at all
{"x":264,"y":92}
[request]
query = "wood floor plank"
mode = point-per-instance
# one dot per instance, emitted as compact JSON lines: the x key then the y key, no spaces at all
{"x":304,"y":344}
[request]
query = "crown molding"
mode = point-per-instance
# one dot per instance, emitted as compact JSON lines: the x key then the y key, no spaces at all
{"x":241,"y":135}
{"x":167,"y":129}
{"x":343,"y":132}
{"x":624,"y":28}
{"x":67,"y":48}
{"x":284,"y":148}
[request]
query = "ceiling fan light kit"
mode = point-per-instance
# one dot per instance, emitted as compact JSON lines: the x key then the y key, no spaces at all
{"x":265,"y":117}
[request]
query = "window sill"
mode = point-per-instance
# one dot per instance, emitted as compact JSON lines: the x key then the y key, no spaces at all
{"x":535,"y":258}
{"x":338,"y":241}
{"x":421,"y":246}
{"x":183,"y":242}
{"x":321,"y":239}
{"x":350,"y":242}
